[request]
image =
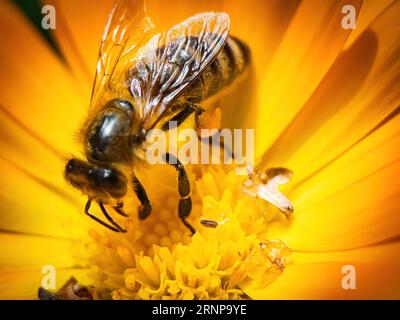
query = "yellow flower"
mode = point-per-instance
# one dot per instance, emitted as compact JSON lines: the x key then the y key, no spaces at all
{"x":157,"y":259}
{"x":324,"y":102}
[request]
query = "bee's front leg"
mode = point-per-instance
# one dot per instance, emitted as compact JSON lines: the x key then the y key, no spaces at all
{"x":109,"y":218}
{"x":185,"y":201}
{"x":145,"y":209}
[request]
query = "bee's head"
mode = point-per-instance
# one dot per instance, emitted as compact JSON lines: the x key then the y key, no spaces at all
{"x":96,"y":182}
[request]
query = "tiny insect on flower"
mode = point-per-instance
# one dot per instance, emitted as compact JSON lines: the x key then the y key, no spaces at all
{"x":212,"y":223}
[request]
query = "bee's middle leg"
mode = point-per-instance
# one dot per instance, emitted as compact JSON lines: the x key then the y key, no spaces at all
{"x":185,"y":201}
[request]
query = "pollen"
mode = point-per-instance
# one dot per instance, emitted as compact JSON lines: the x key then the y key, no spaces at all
{"x":158,"y":258}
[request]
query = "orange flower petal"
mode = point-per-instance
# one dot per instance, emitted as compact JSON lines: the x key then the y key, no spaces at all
{"x":79,"y":31}
{"x":28,"y":251}
{"x":361,"y":101}
{"x":377,"y":276}
{"x":305,"y":54}
{"x":363,"y":213}
{"x":19,"y":143}
{"x":369,"y":11}
{"x":35,"y":86}
{"x":29,"y":204}
{"x":338,"y":181}
{"x":261,"y":25}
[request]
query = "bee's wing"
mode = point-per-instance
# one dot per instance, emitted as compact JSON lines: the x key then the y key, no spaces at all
{"x":127,"y":29}
{"x":170,"y":61}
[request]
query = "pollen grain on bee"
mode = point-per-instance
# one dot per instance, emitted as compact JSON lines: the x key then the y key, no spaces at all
{"x":209,"y":146}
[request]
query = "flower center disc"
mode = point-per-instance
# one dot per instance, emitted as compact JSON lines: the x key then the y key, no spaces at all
{"x":158,"y":258}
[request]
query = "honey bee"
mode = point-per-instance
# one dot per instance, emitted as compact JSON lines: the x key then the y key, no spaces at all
{"x":144,"y":80}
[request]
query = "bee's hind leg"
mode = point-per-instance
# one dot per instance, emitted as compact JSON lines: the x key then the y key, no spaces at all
{"x":185,"y":201}
{"x":145,"y":208}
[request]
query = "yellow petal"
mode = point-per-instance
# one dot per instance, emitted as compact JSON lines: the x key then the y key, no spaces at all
{"x":369,"y":11}
{"x":320,"y":132}
{"x":376,"y":277}
{"x":364,"y":213}
{"x":305,"y":54}
{"x":342,"y":176}
{"x":383,"y":252}
{"x":28,"y":251}
{"x":30,"y":205}
{"x":79,"y":32}
{"x":19,"y":143}
{"x":35,"y":86}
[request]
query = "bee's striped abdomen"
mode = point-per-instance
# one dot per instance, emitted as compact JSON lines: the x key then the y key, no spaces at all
{"x":232,"y":60}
